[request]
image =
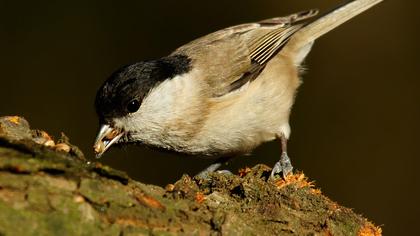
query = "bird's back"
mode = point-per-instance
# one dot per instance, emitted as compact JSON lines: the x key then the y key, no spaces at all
{"x":233,"y":56}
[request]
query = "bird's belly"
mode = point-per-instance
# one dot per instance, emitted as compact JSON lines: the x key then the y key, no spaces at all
{"x":241,"y":128}
{"x":228,"y":143}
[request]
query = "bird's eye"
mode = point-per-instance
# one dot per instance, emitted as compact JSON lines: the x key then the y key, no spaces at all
{"x":133,"y":106}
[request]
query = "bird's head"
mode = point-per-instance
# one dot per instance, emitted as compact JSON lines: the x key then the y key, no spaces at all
{"x":119,"y":101}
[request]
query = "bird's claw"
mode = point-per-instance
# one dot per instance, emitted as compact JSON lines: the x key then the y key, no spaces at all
{"x":283,"y":166}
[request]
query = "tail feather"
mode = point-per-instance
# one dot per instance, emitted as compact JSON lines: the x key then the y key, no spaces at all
{"x":326,"y":23}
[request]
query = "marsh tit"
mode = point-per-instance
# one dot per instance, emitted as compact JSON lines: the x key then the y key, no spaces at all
{"x":220,"y":95}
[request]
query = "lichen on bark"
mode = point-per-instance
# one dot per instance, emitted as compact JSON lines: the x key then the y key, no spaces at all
{"x":48,"y":188}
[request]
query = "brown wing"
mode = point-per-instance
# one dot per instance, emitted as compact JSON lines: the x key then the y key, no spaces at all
{"x":236,"y":55}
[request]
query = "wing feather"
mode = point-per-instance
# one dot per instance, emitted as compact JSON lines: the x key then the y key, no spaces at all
{"x":266,"y":47}
{"x":236,"y":55}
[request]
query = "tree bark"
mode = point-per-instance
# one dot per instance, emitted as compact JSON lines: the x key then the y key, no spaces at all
{"x":48,"y":188}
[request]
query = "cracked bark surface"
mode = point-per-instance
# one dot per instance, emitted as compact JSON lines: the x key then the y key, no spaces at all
{"x":48,"y":188}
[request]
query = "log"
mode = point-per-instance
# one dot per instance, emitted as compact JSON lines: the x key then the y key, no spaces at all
{"x":48,"y":188}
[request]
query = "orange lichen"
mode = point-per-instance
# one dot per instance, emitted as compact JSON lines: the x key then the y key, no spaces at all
{"x":150,"y":201}
{"x":370,"y":230}
{"x":298,"y":179}
{"x":244,"y":171}
{"x":14,"y":119}
{"x":315,"y":191}
{"x":334,"y":206}
{"x":199,"y":197}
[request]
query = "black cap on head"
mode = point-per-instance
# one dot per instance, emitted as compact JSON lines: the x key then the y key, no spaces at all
{"x":124,"y":91}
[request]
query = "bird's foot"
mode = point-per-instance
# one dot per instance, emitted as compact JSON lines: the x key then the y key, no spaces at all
{"x":283,"y":166}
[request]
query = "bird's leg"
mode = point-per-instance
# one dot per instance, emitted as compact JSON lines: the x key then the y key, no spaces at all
{"x":284,"y":165}
{"x":213,"y":167}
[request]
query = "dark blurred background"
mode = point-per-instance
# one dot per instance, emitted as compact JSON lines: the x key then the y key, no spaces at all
{"x":355,"y":122}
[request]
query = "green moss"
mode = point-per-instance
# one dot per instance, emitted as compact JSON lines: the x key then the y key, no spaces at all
{"x":103,"y":191}
{"x":43,"y":192}
{"x":69,"y":218}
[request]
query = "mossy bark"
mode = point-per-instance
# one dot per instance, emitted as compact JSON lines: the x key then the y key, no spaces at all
{"x":49,"y":189}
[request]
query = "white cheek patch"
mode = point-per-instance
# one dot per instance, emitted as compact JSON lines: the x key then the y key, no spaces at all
{"x":159,"y":99}
{"x":170,"y":97}
{"x":166,"y":102}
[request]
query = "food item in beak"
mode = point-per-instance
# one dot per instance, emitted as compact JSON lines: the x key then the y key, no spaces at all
{"x":99,"y":147}
{"x":106,"y":137}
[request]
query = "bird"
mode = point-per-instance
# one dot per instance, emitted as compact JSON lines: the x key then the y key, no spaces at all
{"x":220,"y":95}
